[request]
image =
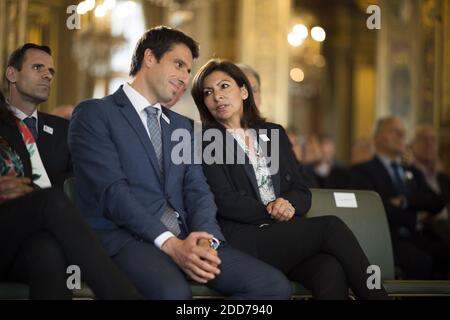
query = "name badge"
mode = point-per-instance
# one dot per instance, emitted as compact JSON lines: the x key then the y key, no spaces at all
{"x":345,"y":200}
{"x":48,"y":129}
{"x":166,"y":119}
{"x":264,"y":137}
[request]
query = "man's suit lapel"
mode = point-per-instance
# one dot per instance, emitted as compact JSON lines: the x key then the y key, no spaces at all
{"x":411,"y":179}
{"x":384,"y":176}
{"x":135,"y":122}
{"x":167,"y":147}
{"x":45,"y":139}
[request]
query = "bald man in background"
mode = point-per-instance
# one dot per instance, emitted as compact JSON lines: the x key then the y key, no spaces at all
{"x":424,"y":149}
{"x":255,"y":81}
{"x":404,"y":192}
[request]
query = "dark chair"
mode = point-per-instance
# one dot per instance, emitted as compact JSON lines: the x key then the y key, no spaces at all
{"x":367,"y":221}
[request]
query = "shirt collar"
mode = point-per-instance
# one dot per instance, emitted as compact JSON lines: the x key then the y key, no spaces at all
{"x":138,"y":101}
{"x":21,"y":115}
{"x":387,"y":161}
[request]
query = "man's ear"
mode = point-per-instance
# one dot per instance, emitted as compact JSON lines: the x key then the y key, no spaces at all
{"x":244,"y":92}
{"x":11,"y":74}
{"x":149,"y":58}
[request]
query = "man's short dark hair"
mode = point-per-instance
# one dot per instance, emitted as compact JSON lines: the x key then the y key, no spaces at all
{"x":160,"y":40}
{"x":17,"y":57}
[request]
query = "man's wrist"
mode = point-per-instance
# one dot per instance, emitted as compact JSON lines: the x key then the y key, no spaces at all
{"x":162,"y":239}
{"x":168,"y":245}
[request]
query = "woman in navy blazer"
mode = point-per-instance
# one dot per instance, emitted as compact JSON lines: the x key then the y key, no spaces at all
{"x":261,"y":203}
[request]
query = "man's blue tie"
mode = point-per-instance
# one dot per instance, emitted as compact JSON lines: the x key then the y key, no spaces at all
{"x":155,"y":134}
{"x":398,"y":180}
{"x":31,"y":124}
{"x":169,"y":217}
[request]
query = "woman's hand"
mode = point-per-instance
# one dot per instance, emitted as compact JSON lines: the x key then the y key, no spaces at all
{"x":14,"y":187}
{"x":280,"y":209}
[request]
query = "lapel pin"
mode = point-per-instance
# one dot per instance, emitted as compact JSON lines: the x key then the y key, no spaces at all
{"x":48,"y":129}
{"x":408,"y":175}
{"x":166,"y":119}
{"x":264,"y":137}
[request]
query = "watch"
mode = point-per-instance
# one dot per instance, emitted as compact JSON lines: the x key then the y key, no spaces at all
{"x":214,"y":243}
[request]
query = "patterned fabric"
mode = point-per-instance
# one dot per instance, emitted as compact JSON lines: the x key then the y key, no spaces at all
{"x":40,"y":177}
{"x":155,"y":133}
{"x":169,"y":217}
{"x":10,"y":162}
{"x":259,"y":164}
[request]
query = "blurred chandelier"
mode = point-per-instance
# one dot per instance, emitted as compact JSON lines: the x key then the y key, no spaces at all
{"x":180,"y":4}
{"x":94,"y":44}
{"x":181,"y":11}
{"x":307,"y":44}
{"x":93,"y":49}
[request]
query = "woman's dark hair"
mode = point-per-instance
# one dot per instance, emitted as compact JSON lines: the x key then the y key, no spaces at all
{"x":6,"y":116}
{"x":251,"y":115}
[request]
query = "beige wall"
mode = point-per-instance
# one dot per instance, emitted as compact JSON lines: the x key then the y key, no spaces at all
{"x":263,"y":45}
{"x":364,"y":102}
{"x":415,"y":39}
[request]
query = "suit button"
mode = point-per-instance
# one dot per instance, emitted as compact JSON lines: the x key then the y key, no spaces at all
{"x":288,"y":177}
{"x":242,"y":192}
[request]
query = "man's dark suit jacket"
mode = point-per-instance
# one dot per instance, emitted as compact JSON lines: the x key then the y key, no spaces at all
{"x":372,"y":175}
{"x":120,"y":189}
{"x":337,"y":178}
{"x":444,"y":184}
{"x":52,"y":148}
{"x":240,"y":209}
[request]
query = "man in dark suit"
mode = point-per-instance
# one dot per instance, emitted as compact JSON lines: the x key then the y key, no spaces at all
{"x":404,"y":193}
{"x":29,"y":73}
{"x":157,"y":219}
{"x":328,"y":173}
{"x":426,"y":158}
